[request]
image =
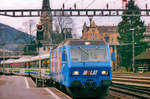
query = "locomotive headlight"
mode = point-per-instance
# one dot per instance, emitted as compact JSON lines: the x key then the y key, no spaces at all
{"x":75,"y":73}
{"x":104,"y":72}
{"x":87,"y":43}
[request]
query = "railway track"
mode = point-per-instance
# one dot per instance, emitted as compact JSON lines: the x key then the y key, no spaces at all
{"x":132,"y":90}
{"x":132,"y":86}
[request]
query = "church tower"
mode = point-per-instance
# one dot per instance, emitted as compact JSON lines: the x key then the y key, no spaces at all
{"x":46,"y":21}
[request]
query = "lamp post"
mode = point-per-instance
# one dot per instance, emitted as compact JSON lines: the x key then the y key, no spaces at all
{"x":133,"y":54}
{"x":39,"y":62}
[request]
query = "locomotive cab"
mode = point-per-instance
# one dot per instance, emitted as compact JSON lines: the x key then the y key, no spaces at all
{"x":82,"y":67}
{"x":86,"y":66}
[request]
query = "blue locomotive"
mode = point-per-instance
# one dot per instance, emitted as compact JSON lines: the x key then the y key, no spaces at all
{"x":83,"y":67}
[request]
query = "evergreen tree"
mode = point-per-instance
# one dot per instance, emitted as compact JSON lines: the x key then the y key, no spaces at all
{"x":30,"y":49}
{"x":127,"y":27}
{"x":59,"y":37}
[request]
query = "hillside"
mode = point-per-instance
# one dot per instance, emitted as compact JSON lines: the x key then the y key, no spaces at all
{"x":12,"y":39}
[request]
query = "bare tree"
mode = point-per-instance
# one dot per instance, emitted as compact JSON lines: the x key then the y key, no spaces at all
{"x":62,"y":23}
{"x":30,"y":28}
{"x":63,"y":27}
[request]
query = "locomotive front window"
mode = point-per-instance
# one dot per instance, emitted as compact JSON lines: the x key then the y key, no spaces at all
{"x":88,"y":54}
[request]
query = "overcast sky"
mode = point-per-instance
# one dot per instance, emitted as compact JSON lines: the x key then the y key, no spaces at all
{"x":99,"y":4}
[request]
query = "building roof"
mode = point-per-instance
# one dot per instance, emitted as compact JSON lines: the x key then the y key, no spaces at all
{"x":144,"y":55}
{"x":102,"y":29}
{"x":107,"y":29}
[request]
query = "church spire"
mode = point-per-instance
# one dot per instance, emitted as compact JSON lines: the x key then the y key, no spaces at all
{"x":46,"y":21}
{"x":46,"y":5}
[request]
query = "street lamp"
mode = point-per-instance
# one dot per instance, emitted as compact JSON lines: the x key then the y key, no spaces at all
{"x":133,"y":54}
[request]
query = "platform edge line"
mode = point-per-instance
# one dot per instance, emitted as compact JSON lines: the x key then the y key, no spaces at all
{"x":26,"y":82}
{"x":52,"y":93}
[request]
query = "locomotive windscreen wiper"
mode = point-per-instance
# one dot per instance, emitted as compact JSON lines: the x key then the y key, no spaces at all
{"x":84,"y":50}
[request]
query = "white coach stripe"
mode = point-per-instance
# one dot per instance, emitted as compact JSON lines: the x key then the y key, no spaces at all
{"x":52,"y":93}
{"x":27,"y":84}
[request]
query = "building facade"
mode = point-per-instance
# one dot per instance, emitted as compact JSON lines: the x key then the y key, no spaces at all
{"x":106,"y":33}
{"x":142,"y":62}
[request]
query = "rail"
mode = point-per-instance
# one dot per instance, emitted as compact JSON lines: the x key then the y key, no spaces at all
{"x":131,"y":85}
{"x":132,"y":90}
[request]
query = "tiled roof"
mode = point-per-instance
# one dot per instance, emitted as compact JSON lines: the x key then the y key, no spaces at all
{"x":105,"y":29}
{"x":110,"y":29}
{"x":143,"y":55}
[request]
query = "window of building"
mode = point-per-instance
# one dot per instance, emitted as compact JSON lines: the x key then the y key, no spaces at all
{"x":93,"y":30}
{"x":107,"y":38}
{"x":112,"y":39}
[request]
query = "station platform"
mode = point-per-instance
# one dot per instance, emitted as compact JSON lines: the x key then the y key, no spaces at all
{"x":18,"y":87}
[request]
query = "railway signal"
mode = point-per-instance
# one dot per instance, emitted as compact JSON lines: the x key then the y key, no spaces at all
{"x":40,"y":30}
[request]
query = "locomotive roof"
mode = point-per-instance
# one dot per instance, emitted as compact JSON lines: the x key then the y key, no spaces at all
{"x":82,"y":42}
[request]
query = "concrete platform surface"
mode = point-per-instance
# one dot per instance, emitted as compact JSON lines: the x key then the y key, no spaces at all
{"x":18,"y":87}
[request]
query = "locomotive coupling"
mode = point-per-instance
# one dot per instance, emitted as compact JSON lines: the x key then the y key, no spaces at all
{"x":106,"y":83}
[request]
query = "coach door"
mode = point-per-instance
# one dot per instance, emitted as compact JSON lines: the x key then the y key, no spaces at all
{"x":64,"y":58}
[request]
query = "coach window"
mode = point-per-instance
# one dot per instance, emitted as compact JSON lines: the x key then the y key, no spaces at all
{"x":44,"y":64}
